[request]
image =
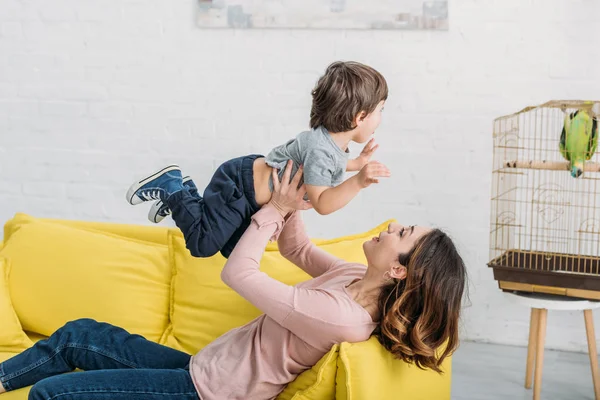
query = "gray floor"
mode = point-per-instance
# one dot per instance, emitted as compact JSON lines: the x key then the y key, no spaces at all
{"x":486,"y":372}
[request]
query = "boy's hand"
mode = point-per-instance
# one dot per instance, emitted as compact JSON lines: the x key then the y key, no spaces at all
{"x":371,"y":172}
{"x":366,"y":154}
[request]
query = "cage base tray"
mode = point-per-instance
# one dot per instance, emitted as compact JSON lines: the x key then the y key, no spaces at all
{"x":514,"y":287}
{"x":564,"y":274}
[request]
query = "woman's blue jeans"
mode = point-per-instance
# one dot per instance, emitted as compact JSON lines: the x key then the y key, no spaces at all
{"x":117,"y":365}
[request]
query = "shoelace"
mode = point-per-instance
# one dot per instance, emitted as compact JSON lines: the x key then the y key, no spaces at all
{"x":150,"y":195}
{"x":165,"y":211}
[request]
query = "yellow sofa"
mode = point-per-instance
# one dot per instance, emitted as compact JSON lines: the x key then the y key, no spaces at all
{"x":143,"y":279}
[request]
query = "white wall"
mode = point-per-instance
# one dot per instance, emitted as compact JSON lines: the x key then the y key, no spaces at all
{"x":95,"y":93}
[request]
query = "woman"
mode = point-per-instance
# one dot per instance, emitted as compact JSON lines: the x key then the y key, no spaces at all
{"x":409,"y":294}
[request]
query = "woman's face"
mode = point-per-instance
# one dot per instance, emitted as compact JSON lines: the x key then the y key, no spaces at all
{"x":382,"y":251}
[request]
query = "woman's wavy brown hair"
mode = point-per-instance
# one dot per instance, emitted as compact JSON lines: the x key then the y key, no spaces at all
{"x":419,"y":315}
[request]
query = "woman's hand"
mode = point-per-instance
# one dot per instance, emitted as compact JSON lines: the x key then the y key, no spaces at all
{"x":287,"y":196}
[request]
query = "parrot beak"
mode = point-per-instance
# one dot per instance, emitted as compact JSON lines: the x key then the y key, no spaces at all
{"x":576,"y":172}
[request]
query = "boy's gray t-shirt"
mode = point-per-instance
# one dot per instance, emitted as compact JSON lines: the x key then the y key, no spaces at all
{"x":323,"y":160}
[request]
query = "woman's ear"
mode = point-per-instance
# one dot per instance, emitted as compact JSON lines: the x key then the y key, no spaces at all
{"x":398,"y":272}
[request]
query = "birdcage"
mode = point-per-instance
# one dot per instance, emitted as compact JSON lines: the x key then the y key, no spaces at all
{"x":545,"y":205}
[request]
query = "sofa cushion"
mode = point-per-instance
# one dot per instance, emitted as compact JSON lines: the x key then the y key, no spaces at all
{"x":60,"y":273}
{"x":366,"y":370}
{"x":20,"y":394}
{"x":152,"y":234}
{"x":12,"y":337}
{"x":35,"y":337}
{"x":315,"y":383}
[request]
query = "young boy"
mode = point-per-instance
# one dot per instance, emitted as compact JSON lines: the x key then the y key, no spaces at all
{"x":347,"y":104}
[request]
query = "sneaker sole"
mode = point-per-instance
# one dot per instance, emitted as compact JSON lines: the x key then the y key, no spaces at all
{"x":131,"y":197}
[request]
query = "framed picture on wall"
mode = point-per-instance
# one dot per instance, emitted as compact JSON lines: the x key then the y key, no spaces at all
{"x":323,"y":14}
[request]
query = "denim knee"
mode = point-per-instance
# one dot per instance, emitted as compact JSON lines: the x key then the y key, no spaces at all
{"x":77,"y":327}
{"x":79,"y":324}
{"x":41,"y":390}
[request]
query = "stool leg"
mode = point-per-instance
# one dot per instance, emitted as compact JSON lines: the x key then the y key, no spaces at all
{"x":591,"y":339}
{"x":539,"y":356}
{"x":533,"y":331}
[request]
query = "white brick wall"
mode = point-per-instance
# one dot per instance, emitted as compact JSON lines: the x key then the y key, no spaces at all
{"x":94,"y":93}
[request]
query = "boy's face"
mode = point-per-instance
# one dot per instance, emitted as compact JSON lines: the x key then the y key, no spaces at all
{"x":366,"y":128}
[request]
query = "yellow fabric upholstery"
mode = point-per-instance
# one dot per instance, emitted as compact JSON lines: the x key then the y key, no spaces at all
{"x":35,"y":337}
{"x":20,"y":394}
{"x":152,"y":234}
{"x":367,"y":370}
{"x":12,"y":337}
{"x":144,"y":279}
{"x":113,"y":279}
{"x":315,"y":383}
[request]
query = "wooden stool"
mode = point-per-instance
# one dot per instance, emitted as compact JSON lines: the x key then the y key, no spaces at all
{"x":540,"y":304}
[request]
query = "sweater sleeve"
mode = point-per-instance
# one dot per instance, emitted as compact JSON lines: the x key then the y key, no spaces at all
{"x":242,"y":274}
{"x":295,"y":245}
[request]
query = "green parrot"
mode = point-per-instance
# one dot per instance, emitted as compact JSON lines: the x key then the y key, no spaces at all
{"x":579,"y":140}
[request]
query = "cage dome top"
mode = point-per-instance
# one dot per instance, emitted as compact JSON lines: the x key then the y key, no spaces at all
{"x":593,"y":105}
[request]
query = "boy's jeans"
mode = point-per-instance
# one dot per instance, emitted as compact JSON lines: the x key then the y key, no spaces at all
{"x":118,"y":366}
{"x":217,"y":221}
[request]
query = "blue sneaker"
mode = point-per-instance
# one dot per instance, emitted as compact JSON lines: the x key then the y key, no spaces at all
{"x":157,"y":186}
{"x":160,"y":210}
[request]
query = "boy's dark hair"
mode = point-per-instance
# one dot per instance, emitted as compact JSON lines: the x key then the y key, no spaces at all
{"x":346,"y":89}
